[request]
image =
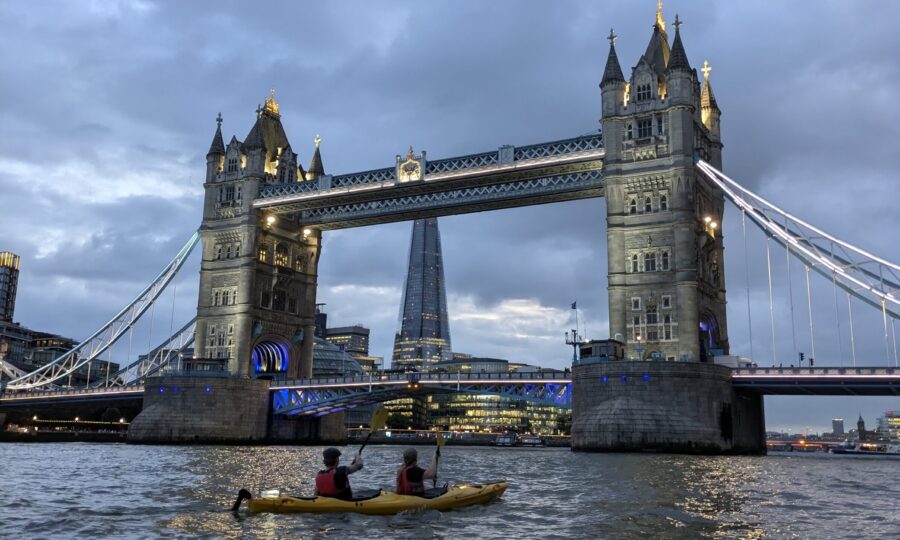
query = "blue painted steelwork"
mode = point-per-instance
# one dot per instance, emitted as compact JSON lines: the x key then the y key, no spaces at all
{"x":324,"y":396}
{"x":270,"y":357}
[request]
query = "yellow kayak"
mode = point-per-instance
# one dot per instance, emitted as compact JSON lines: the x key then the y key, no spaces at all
{"x":384,"y":503}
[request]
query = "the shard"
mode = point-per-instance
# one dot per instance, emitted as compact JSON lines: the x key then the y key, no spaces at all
{"x":424,"y":336}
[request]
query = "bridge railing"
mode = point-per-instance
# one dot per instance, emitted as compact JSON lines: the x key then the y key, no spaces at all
{"x":38,"y":394}
{"x":414,"y":377}
{"x":829,"y":371}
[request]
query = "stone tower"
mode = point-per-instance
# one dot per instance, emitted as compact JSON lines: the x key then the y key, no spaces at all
{"x":424,"y":335}
{"x":666,"y":284}
{"x":258,"y":271}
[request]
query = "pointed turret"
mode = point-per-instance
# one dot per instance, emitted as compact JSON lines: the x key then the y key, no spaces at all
{"x":316,"y":169}
{"x":709,"y":109}
{"x":215,"y":158}
{"x":657,"y":53}
{"x":678,"y":59}
{"x":613,"y":71}
{"x":218,"y":144}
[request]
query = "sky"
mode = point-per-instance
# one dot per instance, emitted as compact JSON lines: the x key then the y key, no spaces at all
{"x":108,"y":109}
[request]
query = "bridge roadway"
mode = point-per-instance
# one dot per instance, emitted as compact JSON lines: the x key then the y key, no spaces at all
{"x":325,"y":395}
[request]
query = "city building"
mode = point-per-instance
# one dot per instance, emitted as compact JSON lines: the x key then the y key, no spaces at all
{"x":473,"y":365}
{"x":408,"y":412}
{"x":601,"y":350}
{"x":9,"y":279}
{"x":889,"y":425}
{"x":424,"y":335}
{"x":355,"y":341}
{"x":321,"y":321}
{"x":330,"y":361}
{"x":495,"y":414}
{"x":837,"y":426}
{"x":28,"y":349}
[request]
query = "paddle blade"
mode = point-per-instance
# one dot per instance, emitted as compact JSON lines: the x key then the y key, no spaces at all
{"x":379,"y":419}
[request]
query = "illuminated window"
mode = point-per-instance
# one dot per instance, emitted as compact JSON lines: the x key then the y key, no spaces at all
{"x":263,"y":253}
{"x":282,"y":256}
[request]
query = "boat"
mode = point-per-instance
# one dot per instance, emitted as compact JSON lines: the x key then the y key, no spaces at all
{"x":376,"y":502}
{"x":530,"y":440}
{"x":868,"y":449}
{"x":507,"y":439}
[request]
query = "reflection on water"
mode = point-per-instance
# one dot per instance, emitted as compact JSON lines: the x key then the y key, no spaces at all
{"x":91,"y":490}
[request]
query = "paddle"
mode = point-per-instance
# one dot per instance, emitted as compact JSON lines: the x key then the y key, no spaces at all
{"x":379,"y":418}
{"x":439,"y":441}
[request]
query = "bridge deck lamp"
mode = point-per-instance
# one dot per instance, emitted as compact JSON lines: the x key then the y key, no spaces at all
{"x":270,"y":220}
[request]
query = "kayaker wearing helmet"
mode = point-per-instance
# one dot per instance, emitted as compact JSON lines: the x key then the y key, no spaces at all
{"x":411,"y":478}
{"x":334,"y":481}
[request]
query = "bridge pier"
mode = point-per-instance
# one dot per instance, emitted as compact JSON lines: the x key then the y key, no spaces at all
{"x":681,"y":407}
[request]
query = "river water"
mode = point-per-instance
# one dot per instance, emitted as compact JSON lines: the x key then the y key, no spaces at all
{"x":79,"y":490}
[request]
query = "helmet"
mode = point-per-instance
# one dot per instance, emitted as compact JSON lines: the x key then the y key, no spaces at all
{"x":410,"y":455}
{"x":331,"y":455}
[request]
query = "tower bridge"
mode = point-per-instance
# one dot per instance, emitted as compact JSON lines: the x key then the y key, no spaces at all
{"x":657,"y":160}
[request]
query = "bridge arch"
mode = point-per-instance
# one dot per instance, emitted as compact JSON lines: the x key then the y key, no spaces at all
{"x":271,"y":356}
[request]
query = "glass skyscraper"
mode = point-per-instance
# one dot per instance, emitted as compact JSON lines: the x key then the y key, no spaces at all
{"x":9,"y":279}
{"x":424,"y":336}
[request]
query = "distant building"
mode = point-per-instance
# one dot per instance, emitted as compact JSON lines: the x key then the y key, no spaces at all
{"x":330,"y":361}
{"x":889,"y":425}
{"x":861,"y":434}
{"x":28,"y":350}
{"x":837,"y":426}
{"x":424,"y":335}
{"x":495,"y":414}
{"x":9,"y":279}
{"x":473,"y":365}
{"x":601,"y":350}
{"x":461,"y":356}
{"x":321,"y":321}
{"x":355,"y":341}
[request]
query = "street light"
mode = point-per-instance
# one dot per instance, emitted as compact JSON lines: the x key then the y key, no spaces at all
{"x":639,"y":348}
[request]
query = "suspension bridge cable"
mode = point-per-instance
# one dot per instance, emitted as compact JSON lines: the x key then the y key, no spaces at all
{"x":771,"y":302}
{"x":747,"y":279}
{"x":150,"y":336}
{"x":787,"y":254}
{"x":887,"y":347}
{"x":837,"y":320}
{"x":852,"y":339}
{"x":812,"y":337}
{"x":894,"y":333}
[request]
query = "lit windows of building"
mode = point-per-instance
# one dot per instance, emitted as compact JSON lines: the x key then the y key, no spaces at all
{"x":9,"y":280}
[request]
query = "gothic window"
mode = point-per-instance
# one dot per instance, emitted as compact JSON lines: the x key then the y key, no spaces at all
{"x":237,"y":250}
{"x":298,"y":263}
{"x":645,"y":128}
{"x":664,"y":261}
{"x":212,"y":329}
{"x":648,"y":204}
{"x":644,"y":92}
{"x":636,"y":303}
{"x":219,"y":251}
{"x":228,"y":253}
{"x":230,"y":329}
{"x":265,"y":299}
{"x":263,"y":253}
{"x":666,"y":301}
{"x":221,"y":193}
{"x":229,"y":193}
{"x":232,"y":164}
{"x":292,"y":305}
{"x":226,"y":297}
{"x":636,"y":327}
{"x":216,"y":298}
{"x":632,"y":206}
{"x":629,"y":130}
{"x":238,"y":192}
{"x":212,"y":342}
{"x":663,"y":203}
{"x":667,"y":327}
{"x":634,"y":264}
{"x":282,"y":256}
{"x":221,"y":340}
{"x":649,"y":262}
{"x":652,"y":321}
{"x":278,"y":299}
{"x":661,"y":124}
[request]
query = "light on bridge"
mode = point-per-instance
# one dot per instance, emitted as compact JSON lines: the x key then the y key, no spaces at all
{"x":76,"y":418}
{"x":270,"y":220}
{"x":34,"y":417}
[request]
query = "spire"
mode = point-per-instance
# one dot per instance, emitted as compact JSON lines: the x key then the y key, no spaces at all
{"x":657,"y":53}
{"x":316,"y":168}
{"x":678,"y":58}
{"x":217,"y":148}
{"x":707,"y":97}
{"x":660,"y":21}
{"x":613,"y":71}
{"x":271,"y":105}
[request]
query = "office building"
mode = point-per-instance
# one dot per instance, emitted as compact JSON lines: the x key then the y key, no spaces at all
{"x":9,"y":280}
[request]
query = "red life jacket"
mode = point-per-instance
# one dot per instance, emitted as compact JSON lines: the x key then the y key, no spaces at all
{"x":405,"y":487}
{"x":326,"y":486}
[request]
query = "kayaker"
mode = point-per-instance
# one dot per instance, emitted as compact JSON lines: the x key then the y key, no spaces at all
{"x":411,"y":478}
{"x":334,"y":481}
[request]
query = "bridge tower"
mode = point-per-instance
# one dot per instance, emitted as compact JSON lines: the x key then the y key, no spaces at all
{"x":666,"y":286}
{"x":258,"y":271}
{"x":665,"y":268}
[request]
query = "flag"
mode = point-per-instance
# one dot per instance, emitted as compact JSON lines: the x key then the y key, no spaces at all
{"x":574,"y":304}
